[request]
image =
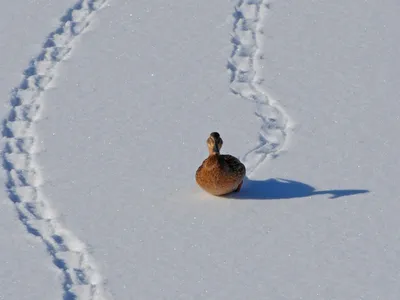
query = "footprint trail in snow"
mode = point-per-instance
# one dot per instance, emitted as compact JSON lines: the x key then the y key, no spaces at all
{"x":80,"y":275}
{"x":245,"y":82}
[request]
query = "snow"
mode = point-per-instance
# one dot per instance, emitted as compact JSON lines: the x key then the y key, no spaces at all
{"x":107,"y":109}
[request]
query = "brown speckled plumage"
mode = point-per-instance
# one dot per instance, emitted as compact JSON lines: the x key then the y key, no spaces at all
{"x":220,"y":174}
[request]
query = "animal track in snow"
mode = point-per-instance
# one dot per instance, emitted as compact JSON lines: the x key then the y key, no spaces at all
{"x":81,"y":278}
{"x":244,"y":81}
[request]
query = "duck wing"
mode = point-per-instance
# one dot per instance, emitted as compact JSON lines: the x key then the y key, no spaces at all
{"x":233,"y":164}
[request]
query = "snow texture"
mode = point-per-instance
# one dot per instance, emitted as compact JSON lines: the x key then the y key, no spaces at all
{"x":23,"y":182}
{"x":102,"y":136}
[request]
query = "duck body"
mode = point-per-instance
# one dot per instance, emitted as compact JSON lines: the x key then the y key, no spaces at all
{"x":220,"y":174}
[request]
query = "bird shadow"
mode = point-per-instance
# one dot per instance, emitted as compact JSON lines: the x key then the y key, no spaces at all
{"x":279,"y":188}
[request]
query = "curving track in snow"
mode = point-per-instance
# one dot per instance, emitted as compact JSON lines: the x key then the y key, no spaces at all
{"x":244,"y":68}
{"x":80,"y":276}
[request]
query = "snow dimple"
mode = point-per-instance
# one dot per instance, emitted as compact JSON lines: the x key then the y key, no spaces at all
{"x":243,"y":65}
{"x":81,"y":278}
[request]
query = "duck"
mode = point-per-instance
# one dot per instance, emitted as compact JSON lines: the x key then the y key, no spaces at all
{"x":220,"y":174}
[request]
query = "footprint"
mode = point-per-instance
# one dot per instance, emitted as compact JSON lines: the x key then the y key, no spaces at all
{"x":81,"y":277}
{"x":245,"y":81}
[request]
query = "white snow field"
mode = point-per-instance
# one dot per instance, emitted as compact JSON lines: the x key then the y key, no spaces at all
{"x":107,"y":107}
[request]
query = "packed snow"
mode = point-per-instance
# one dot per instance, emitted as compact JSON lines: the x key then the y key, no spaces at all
{"x":107,"y":108}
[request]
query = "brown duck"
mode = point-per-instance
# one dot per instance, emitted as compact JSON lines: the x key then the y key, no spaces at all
{"x":220,"y":174}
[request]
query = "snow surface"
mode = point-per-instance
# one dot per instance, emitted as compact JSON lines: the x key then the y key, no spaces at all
{"x":107,"y":109}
